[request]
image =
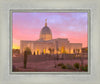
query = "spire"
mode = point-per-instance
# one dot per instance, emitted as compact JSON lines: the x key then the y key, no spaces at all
{"x":45,"y":22}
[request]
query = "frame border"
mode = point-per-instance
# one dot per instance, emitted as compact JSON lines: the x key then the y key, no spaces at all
{"x":51,"y":10}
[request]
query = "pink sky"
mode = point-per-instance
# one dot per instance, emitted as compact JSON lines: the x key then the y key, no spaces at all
{"x":27,"y":26}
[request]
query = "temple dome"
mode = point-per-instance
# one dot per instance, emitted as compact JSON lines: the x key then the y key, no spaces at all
{"x":45,"y":33}
{"x":45,"y":30}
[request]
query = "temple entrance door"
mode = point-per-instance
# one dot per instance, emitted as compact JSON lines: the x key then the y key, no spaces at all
{"x":62,"y":49}
{"x":44,"y":51}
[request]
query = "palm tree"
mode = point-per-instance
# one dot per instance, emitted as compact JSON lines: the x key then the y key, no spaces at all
{"x":74,"y":53}
{"x":86,"y":50}
{"x":53,"y":50}
{"x":34,"y":52}
{"x":78,"y":51}
{"x":25,"y":59}
{"x":50,"y":50}
{"x":28,"y":50}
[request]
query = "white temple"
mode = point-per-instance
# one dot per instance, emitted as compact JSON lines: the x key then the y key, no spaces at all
{"x":47,"y":45}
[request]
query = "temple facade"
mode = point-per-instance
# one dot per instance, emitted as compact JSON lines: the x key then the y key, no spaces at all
{"x":47,"y":45}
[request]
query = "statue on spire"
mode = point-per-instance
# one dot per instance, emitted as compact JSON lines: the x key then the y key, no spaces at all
{"x":45,"y":22}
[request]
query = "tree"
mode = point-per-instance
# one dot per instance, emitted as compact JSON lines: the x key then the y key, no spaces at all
{"x":25,"y":59}
{"x":17,"y":51}
{"x":28,"y":50}
{"x":50,"y":50}
{"x":78,"y":50}
{"x":53,"y":50}
{"x":74,"y":51}
{"x":34,"y":52}
{"x":86,"y":50}
{"x":58,"y":50}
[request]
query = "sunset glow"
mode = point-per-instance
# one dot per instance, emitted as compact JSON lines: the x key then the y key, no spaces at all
{"x":27,"y":26}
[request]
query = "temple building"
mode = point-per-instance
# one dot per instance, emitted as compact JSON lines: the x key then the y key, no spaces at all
{"x":46,"y":45}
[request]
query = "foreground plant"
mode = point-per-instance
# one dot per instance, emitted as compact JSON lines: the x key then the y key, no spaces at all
{"x":60,"y":64}
{"x":69,"y":66}
{"x":63,"y":67}
{"x":25,"y":59}
{"x":84,"y":68}
{"x":76,"y":65}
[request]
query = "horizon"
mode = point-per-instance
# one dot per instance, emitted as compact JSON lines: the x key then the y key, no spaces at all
{"x":27,"y":26}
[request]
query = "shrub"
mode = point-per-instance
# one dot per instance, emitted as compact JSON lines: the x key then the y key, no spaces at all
{"x":63,"y":67}
{"x":76,"y":65}
{"x":55,"y":66}
{"x":69,"y":66}
{"x":28,"y":50}
{"x":14,"y":68}
{"x":60,"y":64}
{"x":81,"y":67}
{"x":86,"y":68}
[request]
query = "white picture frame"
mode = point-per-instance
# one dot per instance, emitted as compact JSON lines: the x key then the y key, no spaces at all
{"x":9,"y":78}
